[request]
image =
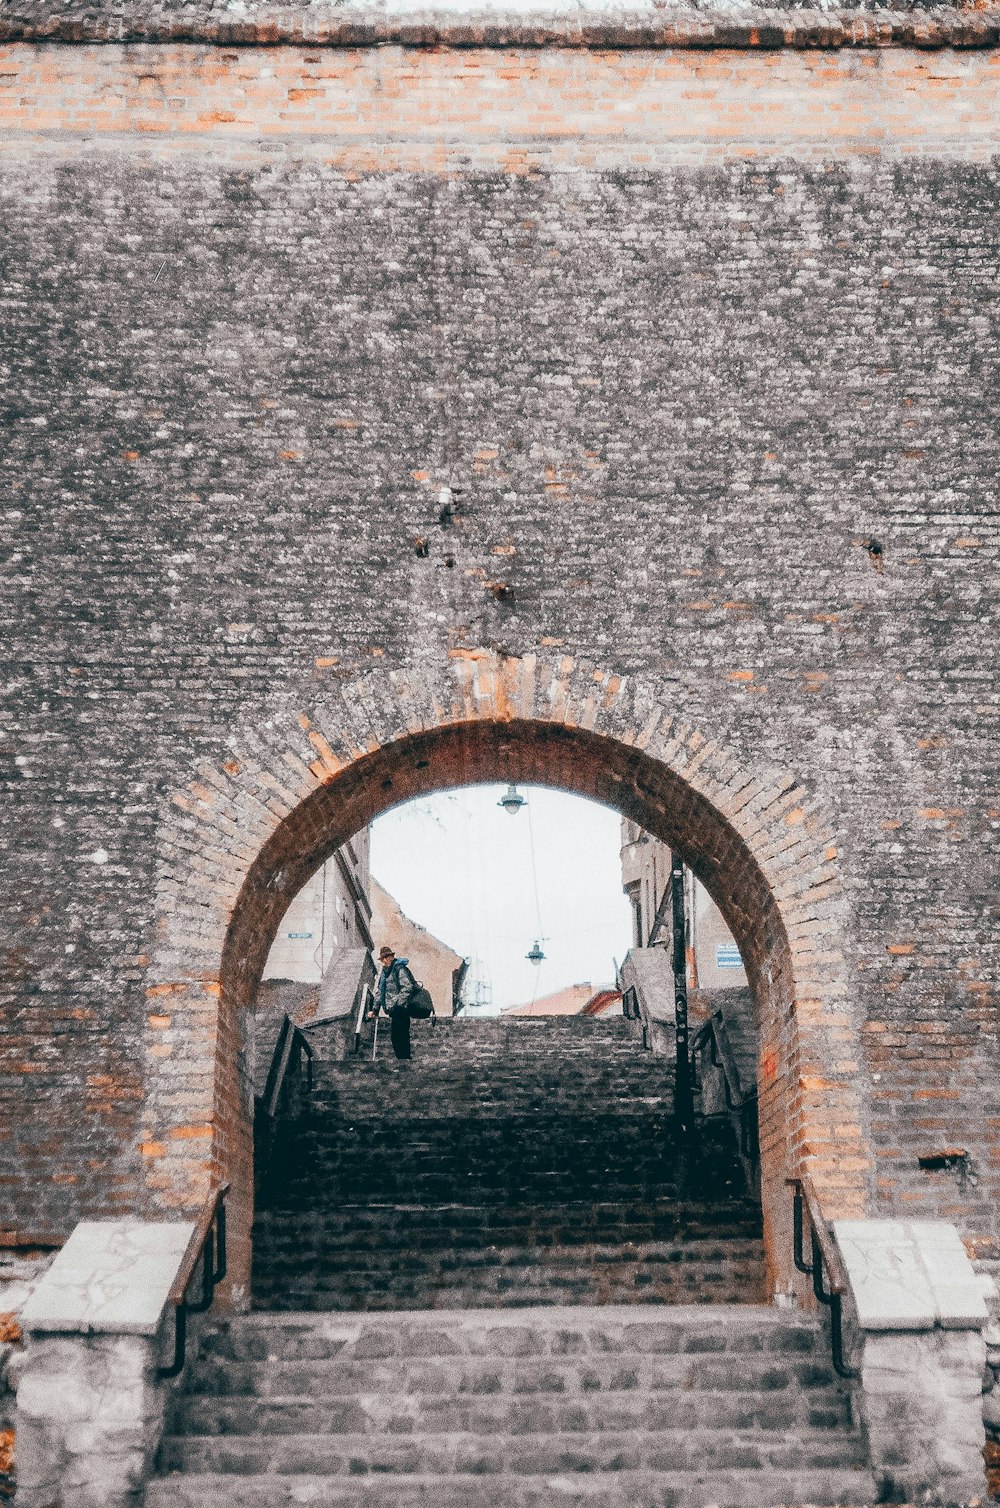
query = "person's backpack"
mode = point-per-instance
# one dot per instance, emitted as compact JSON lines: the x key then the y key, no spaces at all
{"x":420,"y":1005}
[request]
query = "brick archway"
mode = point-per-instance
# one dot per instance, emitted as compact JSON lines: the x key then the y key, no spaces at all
{"x":245,"y":835}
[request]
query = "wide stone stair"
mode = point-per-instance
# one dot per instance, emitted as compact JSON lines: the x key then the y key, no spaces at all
{"x":491,"y":1277}
{"x":510,"y":1162}
{"x":606,"y":1407}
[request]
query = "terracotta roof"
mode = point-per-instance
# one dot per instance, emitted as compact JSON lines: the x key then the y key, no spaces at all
{"x":573,"y":1000}
{"x":604,"y":1003}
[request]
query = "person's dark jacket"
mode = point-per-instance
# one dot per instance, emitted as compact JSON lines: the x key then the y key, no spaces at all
{"x":396,"y":986}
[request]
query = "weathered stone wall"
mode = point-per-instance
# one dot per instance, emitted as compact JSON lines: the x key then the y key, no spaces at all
{"x":682,"y":335}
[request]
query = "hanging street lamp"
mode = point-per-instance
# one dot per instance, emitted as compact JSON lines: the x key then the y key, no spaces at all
{"x":512,"y":801}
{"x":535,"y":955}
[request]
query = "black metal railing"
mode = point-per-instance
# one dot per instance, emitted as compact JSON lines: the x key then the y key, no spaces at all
{"x":824,"y":1258}
{"x":712,"y":1039}
{"x":292,"y":1045}
{"x":632,"y":1010}
{"x":683,"y":1081}
{"x":364,"y":1009}
{"x":207,"y":1245}
{"x":290,"y":1051}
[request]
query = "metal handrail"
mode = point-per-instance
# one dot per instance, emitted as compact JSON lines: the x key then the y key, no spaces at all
{"x":292,"y":1043}
{"x":366,"y":999}
{"x":714,"y":1035}
{"x":207,"y":1244}
{"x":824,"y":1254}
{"x":632,"y":1011}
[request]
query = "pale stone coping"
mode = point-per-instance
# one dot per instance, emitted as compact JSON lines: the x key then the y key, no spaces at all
{"x":339,"y":986}
{"x":910,"y":1275}
{"x":651,"y":971}
{"x":111,"y":1277}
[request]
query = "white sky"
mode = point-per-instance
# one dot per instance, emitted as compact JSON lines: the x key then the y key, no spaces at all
{"x":462,"y":867}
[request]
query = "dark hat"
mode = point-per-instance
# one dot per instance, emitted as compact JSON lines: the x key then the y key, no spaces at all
{"x":385,"y":951}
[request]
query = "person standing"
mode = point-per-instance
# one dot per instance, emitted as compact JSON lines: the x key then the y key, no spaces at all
{"x":393,"y":989}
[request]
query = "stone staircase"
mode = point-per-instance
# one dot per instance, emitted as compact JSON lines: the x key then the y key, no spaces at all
{"x":611,"y":1408}
{"x":510,"y":1162}
{"x":490,"y":1278}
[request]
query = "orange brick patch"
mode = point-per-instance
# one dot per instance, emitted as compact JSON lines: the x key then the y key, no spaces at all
{"x":991,"y":1455}
{"x":741,"y":97}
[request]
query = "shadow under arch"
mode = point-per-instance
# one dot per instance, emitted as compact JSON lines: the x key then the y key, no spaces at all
{"x":808,"y":1114}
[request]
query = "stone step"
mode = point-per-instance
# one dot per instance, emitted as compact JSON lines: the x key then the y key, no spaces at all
{"x":456,"y":1136}
{"x":306,"y":1178}
{"x":306,"y":1186}
{"x":340,"y":1158}
{"x":433,"y":1252}
{"x":806,"y":1414}
{"x":513,"y":1291}
{"x":504,"y":1054}
{"x":525,"y":1031}
{"x":542,"y":1203}
{"x":387,"y":1450}
{"x":430,"y":1093}
{"x":497,"y":1064}
{"x":668,"y":1220}
{"x":521,"y":1074}
{"x":605,"y":1408}
{"x":760,"y":1337}
{"x":735,"y":1488}
{"x":442,"y":1038}
{"x":474,"y":1376}
{"x":285,"y":1258}
{"x":392,"y":1231}
{"x":514,"y":1295}
{"x":503,"y":1051}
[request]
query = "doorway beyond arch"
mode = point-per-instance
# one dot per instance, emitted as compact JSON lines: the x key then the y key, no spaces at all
{"x":245,"y":835}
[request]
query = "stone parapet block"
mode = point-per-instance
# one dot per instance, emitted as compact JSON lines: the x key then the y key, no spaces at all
{"x":922,"y":1410}
{"x":920,"y":1309}
{"x":112,"y":1277}
{"x":89,"y":1419}
{"x":910,"y":1275}
{"x":90,"y":1403}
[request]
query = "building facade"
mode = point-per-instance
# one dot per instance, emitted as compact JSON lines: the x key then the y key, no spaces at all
{"x":433,"y":964}
{"x":713,"y":954}
{"x":332,"y":910}
{"x":601,"y":400}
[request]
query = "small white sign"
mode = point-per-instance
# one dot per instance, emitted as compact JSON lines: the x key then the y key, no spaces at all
{"x":727,"y":956}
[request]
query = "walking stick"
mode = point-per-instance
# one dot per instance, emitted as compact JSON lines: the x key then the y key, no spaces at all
{"x":375,"y":1039}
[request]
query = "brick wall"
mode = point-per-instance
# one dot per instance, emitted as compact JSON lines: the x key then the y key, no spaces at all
{"x":680,"y":335}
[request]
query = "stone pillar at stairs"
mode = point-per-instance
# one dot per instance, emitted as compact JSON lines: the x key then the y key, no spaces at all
{"x":918,"y":1312}
{"x":90,"y":1405}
